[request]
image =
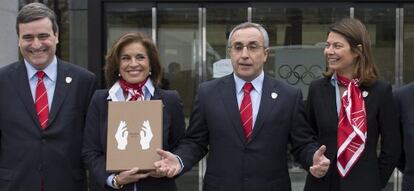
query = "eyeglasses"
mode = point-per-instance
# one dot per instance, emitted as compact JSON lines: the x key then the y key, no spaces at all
{"x":250,"y":47}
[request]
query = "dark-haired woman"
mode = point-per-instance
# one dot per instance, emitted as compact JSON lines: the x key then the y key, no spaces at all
{"x":352,"y":111}
{"x":132,"y":73}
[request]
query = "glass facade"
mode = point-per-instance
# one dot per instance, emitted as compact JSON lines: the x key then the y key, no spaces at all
{"x":219,"y":20}
{"x":297,"y":29}
{"x":408,"y":45}
{"x":178,"y":42}
{"x":381,"y":24}
{"x":123,"y":17}
{"x":192,"y":40}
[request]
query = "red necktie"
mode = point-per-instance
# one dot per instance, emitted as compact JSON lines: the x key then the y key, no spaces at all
{"x":42,"y":107}
{"x":246,"y":110}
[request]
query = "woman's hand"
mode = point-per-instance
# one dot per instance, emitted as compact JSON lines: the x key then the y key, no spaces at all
{"x":129,"y":176}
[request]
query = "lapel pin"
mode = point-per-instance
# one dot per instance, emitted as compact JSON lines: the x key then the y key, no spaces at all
{"x":68,"y":80}
{"x":364,"y":94}
{"x":274,"y":95}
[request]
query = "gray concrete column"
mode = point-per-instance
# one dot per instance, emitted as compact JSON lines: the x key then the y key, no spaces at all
{"x":78,"y":35}
{"x":8,"y":37}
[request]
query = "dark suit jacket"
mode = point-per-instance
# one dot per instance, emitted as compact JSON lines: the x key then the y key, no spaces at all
{"x":371,"y":172}
{"x":233,"y":163}
{"x":29,"y":154}
{"x":405,"y":103}
{"x":94,"y":149}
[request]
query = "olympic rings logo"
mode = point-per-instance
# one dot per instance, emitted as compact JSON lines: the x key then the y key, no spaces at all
{"x":299,"y":73}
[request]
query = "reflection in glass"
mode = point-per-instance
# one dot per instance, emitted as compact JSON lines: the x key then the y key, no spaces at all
{"x":219,"y":23}
{"x":297,"y":37}
{"x":126,"y":17}
{"x":380,"y":22}
{"x":408,"y":74}
{"x":178,"y":41}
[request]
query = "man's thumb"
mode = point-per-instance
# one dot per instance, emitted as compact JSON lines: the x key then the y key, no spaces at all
{"x":162,"y":153}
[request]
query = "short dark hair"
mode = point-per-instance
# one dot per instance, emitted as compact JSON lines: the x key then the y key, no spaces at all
{"x":113,"y":57}
{"x":356,"y":34}
{"x":250,"y":25}
{"x":36,"y":11}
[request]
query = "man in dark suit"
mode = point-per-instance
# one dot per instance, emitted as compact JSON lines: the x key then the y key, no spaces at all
{"x":405,"y":103}
{"x":43,"y":103}
{"x":246,"y":151}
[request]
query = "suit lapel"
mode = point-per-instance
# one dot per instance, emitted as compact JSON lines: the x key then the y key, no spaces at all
{"x":328,"y":99}
{"x":228,"y":97}
{"x":366,"y":91}
{"x":267,"y":103}
{"x":411,"y":89}
{"x":61,"y":89}
{"x":19,"y":76}
{"x":157,"y":95}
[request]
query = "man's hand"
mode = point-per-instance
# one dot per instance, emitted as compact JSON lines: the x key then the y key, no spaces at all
{"x":320,"y":163}
{"x":121,"y":135}
{"x":169,"y":165}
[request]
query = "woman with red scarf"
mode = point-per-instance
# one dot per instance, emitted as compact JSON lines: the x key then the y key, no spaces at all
{"x":352,"y":113}
{"x":132,"y":73}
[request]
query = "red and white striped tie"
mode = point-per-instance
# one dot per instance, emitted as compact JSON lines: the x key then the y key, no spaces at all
{"x":41,"y":102}
{"x":246,"y":110}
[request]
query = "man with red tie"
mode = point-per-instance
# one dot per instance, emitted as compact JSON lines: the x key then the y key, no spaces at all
{"x":245,"y":121}
{"x":43,"y":103}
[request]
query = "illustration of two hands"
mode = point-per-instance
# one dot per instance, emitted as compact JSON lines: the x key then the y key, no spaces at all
{"x":121,"y":135}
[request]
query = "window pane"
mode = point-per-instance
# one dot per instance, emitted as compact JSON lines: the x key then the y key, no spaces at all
{"x":178,"y":42}
{"x":178,"y":39}
{"x":220,"y":21}
{"x":297,"y":35}
{"x":408,"y":74}
{"x":126,"y":17}
{"x":380,"y":22}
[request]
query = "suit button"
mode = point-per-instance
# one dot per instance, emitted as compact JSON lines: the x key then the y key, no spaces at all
{"x":247,"y":150}
{"x":245,"y":179}
{"x":43,"y":140}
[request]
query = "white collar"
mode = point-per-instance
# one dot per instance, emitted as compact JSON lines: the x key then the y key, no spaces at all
{"x":257,"y":83}
{"x":117,"y":94}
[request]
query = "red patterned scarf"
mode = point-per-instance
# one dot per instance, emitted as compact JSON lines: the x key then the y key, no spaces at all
{"x":352,"y":126}
{"x":135,"y":90}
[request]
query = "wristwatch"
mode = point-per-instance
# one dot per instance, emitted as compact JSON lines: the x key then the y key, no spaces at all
{"x":115,"y":183}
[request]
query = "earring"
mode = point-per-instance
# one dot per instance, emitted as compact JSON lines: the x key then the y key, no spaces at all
{"x":119,"y":75}
{"x":150,"y":73}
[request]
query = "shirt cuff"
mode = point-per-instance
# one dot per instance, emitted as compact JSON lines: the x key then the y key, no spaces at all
{"x":181,"y":163}
{"x":109,"y":180}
